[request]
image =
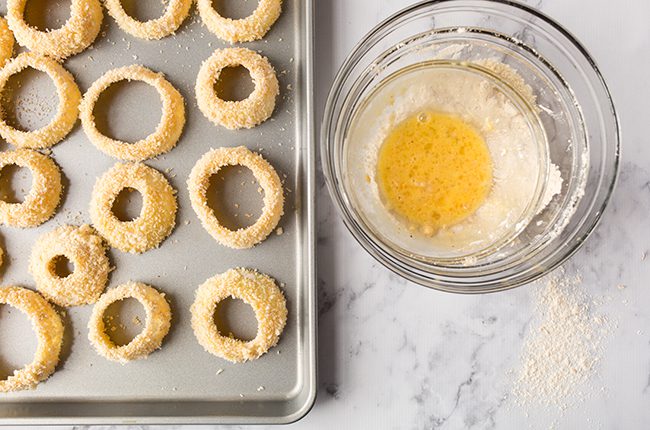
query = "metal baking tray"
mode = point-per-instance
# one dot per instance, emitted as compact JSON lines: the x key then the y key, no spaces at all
{"x":180,"y":383}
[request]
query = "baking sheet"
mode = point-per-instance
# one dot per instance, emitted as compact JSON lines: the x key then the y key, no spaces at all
{"x":181,"y":383}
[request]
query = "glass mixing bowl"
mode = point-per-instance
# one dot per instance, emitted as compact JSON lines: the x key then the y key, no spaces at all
{"x":575,"y":125}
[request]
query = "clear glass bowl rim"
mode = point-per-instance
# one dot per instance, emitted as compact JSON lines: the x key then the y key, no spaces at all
{"x":366,"y":241}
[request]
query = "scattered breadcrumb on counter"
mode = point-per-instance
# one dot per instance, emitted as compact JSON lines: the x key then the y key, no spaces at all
{"x":563,"y":349}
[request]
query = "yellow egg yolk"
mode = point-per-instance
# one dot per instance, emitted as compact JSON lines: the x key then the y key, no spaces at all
{"x":434,"y":170}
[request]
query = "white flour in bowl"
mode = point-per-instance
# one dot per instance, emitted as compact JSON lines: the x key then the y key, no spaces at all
{"x":516,"y":155}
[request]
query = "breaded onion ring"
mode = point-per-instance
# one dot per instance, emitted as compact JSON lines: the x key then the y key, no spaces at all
{"x":49,"y":331}
{"x":253,"y":27}
{"x":175,"y":13}
{"x":266,"y":176}
{"x":79,"y":31}
{"x":156,"y":327}
{"x":158,"y":215}
{"x":67,"y":111}
{"x":160,"y":141}
{"x":6,"y":42}
{"x":43,"y":198}
{"x":85,"y":249}
{"x":247,"y":113}
{"x":254,"y":288}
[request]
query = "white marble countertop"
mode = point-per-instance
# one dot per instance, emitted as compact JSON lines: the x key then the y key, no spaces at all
{"x":398,"y":356}
{"x":395,"y":355}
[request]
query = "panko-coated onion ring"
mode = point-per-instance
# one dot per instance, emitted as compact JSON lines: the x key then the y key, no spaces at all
{"x":266,"y":176}
{"x":156,"y":326}
{"x":253,"y":27}
{"x":6,"y":42}
{"x":82,"y":247}
{"x":158,"y":215}
{"x":43,"y":198}
{"x":175,"y":13}
{"x":79,"y":31}
{"x":247,"y":113}
{"x":68,"y":109}
{"x":254,"y":288}
{"x":160,"y":141}
{"x":49,"y":331}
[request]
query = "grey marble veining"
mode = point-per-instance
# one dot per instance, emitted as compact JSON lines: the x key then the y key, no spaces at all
{"x":397,"y":356}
